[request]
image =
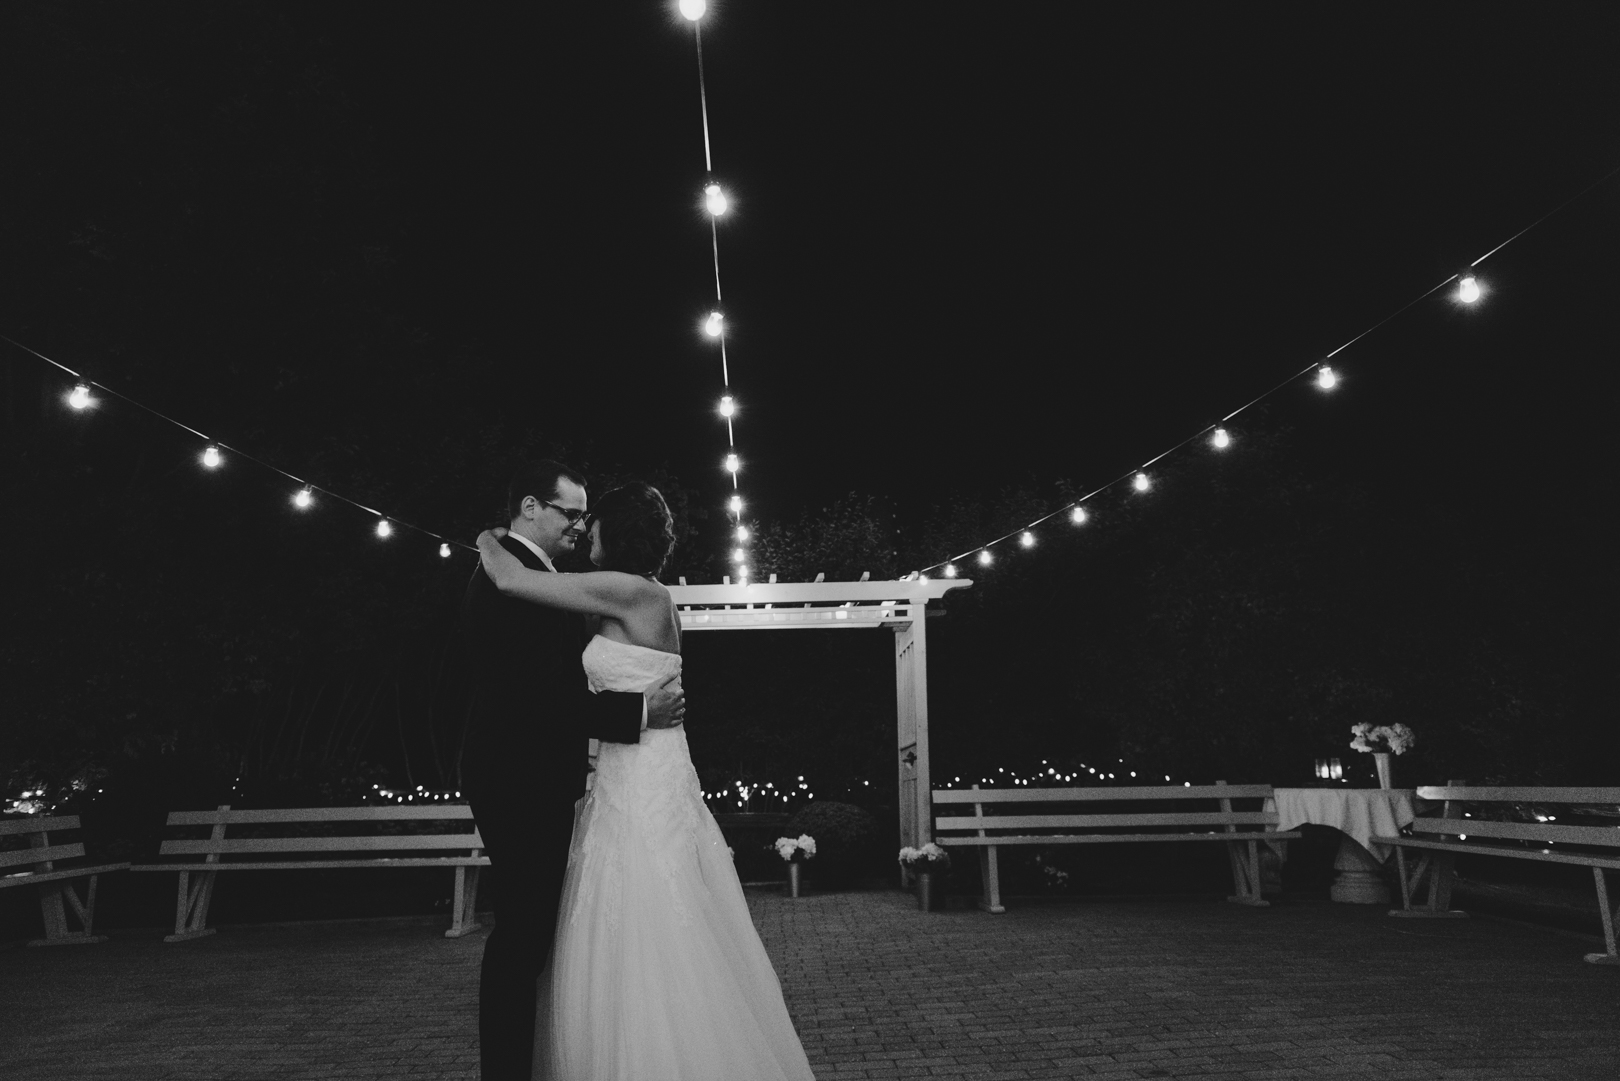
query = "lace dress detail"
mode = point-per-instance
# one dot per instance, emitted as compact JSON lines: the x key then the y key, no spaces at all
{"x":657,"y":971}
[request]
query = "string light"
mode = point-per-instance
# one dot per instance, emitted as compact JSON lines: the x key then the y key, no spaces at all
{"x":303,"y":498}
{"x":950,"y":570}
{"x":79,"y":397}
{"x":732,"y":464}
{"x":444,"y":551}
{"x":384,"y":529}
{"x":742,"y":532}
{"x":1027,"y":540}
{"x":693,"y":9}
{"x":1468,"y":289}
{"x":742,"y":573}
{"x":735,"y":504}
{"x":714,"y":325}
{"x":714,"y":200}
{"x":1326,"y":377}
{"x":1220,"y":440}
{"x":1140,"y":482}
{"x":728,"y":408}
{"x":211,"y":457}
{"x":1078,"y":516}
{"x":738,"y":555}
{"x":984,"y":557}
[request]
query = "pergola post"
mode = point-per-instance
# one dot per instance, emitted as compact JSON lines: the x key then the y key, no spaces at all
{"x":911,"y":715}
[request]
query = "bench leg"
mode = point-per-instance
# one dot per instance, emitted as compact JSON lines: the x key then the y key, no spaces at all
{"x":1245,"y":859}
{"x":464,"y":918}
{"x":990,"y":872}
{"x":1440,"y":868}
{"x":55,"y":898}
{"x":1609,"y":914}
{"x":191,"y":906}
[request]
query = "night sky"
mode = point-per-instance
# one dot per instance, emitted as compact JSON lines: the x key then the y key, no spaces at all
{"x":972,"y":247}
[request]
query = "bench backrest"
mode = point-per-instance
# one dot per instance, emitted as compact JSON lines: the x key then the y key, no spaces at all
{"x":218,"y":844}
{"x":41,"y":850}
{"x":1460,"y":823}
{"x":1112,"y":819}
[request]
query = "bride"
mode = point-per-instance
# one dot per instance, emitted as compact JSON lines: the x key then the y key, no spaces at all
{"x":657,"y":973}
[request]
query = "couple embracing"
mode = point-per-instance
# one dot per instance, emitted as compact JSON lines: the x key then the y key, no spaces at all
{"x":622,"y":948}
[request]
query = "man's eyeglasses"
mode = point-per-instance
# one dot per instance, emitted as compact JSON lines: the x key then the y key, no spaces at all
{"x":574,"y":515}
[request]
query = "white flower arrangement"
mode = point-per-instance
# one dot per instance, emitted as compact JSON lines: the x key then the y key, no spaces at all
{"x":930,"y":857}
{"x":796,"y":849}
{"x":1383,"y":739}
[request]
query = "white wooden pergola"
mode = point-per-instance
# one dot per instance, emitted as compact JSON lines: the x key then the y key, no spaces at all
{"x":901,"y":606}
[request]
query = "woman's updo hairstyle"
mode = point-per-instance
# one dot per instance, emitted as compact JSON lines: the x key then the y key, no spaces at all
{"x":638,"y":532}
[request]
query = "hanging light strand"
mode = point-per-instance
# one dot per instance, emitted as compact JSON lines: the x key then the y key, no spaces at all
{"x":717,"y":204}
{"x":1327,"y":379}
{"x":220,"y":448}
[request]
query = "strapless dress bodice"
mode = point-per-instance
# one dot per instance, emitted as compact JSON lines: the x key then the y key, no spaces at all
{"x":612,"y":665}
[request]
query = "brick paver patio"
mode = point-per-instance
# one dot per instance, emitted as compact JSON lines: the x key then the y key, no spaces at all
{"x":1185,"y":989}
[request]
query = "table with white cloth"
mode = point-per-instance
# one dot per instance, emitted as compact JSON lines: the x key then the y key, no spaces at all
{"x":1360,"y":814}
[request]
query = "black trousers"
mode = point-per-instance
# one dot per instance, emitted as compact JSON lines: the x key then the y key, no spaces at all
{"x":526,"y":841}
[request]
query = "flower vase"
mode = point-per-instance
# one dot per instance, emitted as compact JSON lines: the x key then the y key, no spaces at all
{"x":1381,"y":760}
{"x":925,"y":891}
{"x":793,"y":878}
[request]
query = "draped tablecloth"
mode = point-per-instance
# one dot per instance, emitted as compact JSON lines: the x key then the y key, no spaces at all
{"x":1360,"y":813}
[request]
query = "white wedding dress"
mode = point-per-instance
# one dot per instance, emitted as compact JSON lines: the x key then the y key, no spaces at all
{"x":657,"y":973}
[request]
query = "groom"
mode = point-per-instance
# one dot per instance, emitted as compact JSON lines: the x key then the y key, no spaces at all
{"x":525,"y":761}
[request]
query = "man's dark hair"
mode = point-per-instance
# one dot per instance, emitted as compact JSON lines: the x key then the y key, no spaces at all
{"x":538,"y":479}
{"x":638,"y":532}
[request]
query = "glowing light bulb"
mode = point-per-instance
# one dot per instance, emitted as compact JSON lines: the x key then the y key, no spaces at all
{"x":735,"y":504}
{"x":1078,"y":516}
{"x":693,"y":9}
{"x":1027,"y":540}
{"x":732,"y":464}
{"x":742,"y":574}
{"x":1326,"y":378}
{"x":384,"y":529}
{"x":950,"y":570}
{"x":444,"y":551}
{"x":212,"y":458}
{"x":1468,"y":289}
{"x":727,"y":406}
{"x":1220,"y":439}
{"x":984,"y":557}
{"x":714,"y":200}
{"x":714,"y":324}
{"x":742,"y":532}
{"x":304,"y":499}
{"x":79,"y":397}
{"x":1140,"y":482}
{"x":738,"y":555}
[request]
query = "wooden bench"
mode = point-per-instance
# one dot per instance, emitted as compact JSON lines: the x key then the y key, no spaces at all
{"x":57,"y":894}
{"x":1123,"y":819}
{"x":1457,"y":830}
{"x":376,"y":850}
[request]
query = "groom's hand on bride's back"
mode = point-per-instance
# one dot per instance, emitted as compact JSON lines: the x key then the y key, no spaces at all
{"x":666,"y":703}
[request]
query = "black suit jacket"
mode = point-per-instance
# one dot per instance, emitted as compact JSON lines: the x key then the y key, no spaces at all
{"x":533,"y":712}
